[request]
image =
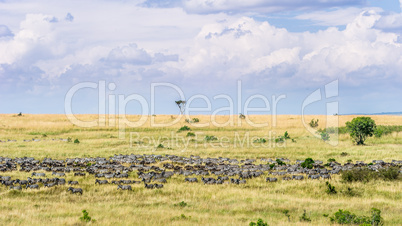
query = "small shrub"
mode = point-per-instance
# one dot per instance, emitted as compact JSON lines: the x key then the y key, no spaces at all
{"x":181,"y":204}
{"x":259,"y":222}
{"x":85,"y":217}
{"x":308,"y":163}
{"x":272,"y":165}
{"x":325,"y":136}
{"x":286,"y":135}
{"x":280,"y":139}
{"x":344,"y":154}
{"x":350,"y":192}
{"x":196,"y":120}
{"x":160,"y":146}
{"x":313,"y":123}
{"x":184,"y":128}
{"x":19,"y":114}
{"x":331,"y":160}
{"x":286,"y":212}
{"x":280,"y":162}
{"x":330,"y":188}
{"x":190,"y":134}
{"x":346,"y":217}
{"x":378,"y":132}
{"x":304,"y":217}
{"x":390,"y":174}
{"x":260,"y":140}
{"x":365,"y":175}
{"x":241,"y":116}
{"x":293,"y":140}
{"x":44,"y":135}
{"x":210,"y":138}
{"x":76,"y":141}
{"x":349,"y":160}
{"x":181,"y":217}
{"x":188,"y":121}
{"x":69,"y":140}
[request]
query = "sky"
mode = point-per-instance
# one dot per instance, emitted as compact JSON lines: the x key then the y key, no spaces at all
{"x":222,"y":56}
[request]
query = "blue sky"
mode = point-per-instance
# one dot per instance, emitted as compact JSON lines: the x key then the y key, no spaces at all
{"x":204,"y":48}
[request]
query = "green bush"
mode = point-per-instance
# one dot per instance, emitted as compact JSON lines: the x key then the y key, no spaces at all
{"x":85,"y":217}
{"x":259,"y":222}
{"x":366,"y":175}
{"x":390,"y":174}
{"x":280,"y":139}
{"x":210,"y":138}
{"x":331,"y":160}
{"x":313,"y":123}
{"x":286,"y":135}
{"x":378,"y":132}
{"x":330,"y":189}
{"x":360,"y":128}
{"x":181,"y":204}
{"x":190,"y":134}
{"x":76,"y":141}
{"x":241,"y":116}
{"x":344,"y":154}
{"x":308,"y":163}
{"x":304,"y":217}
{"x":196,"y":120}
{"x":325,"y":136}
{"x":286,"y":212}
{"x":346,"y":217}
{"x":280,"y":162}
{"x":181,"y":217}
{"x":160,"y":146}
{"x":184,"y":128}
{"x":260,"y":140}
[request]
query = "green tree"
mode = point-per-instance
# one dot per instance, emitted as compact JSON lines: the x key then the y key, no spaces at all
{"x":360,"y":128}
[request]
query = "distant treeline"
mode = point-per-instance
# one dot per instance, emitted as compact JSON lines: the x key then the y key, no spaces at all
{"x":385,"y":129}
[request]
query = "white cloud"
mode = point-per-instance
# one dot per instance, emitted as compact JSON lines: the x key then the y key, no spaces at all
{"x":249,"y":48}
{"x":336,"y":17}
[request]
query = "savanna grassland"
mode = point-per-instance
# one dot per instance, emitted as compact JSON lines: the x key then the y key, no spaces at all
{"x":225,"y":204}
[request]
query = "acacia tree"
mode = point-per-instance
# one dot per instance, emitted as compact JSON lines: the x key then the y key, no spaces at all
{"x":182,"y":105}
{"x":360,"y":128}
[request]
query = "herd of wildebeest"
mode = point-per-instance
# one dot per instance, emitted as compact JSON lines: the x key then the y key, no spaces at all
{"x":154,"y":170}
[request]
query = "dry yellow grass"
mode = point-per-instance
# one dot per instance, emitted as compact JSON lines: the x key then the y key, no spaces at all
{"x":207,"y":205}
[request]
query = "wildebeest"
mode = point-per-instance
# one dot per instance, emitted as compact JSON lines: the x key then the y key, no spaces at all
{"x":15,"y":187}
{"x":75,"y":190}
{"x":271,"y":179}
{"x":101,"y":181}
{"x":124,"y":187}
{"x":314,"y":177}
{"x":59,"y":174}
{"x":38,"y":174}
{"x":79,"y":174}
{"x":32,"y":186}
{"x":191,"y":180}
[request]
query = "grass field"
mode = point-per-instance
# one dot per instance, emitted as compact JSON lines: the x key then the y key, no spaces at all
{"x":207,"y":205}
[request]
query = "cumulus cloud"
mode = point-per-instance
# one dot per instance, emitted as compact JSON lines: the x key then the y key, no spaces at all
{"x":248,"y":48}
